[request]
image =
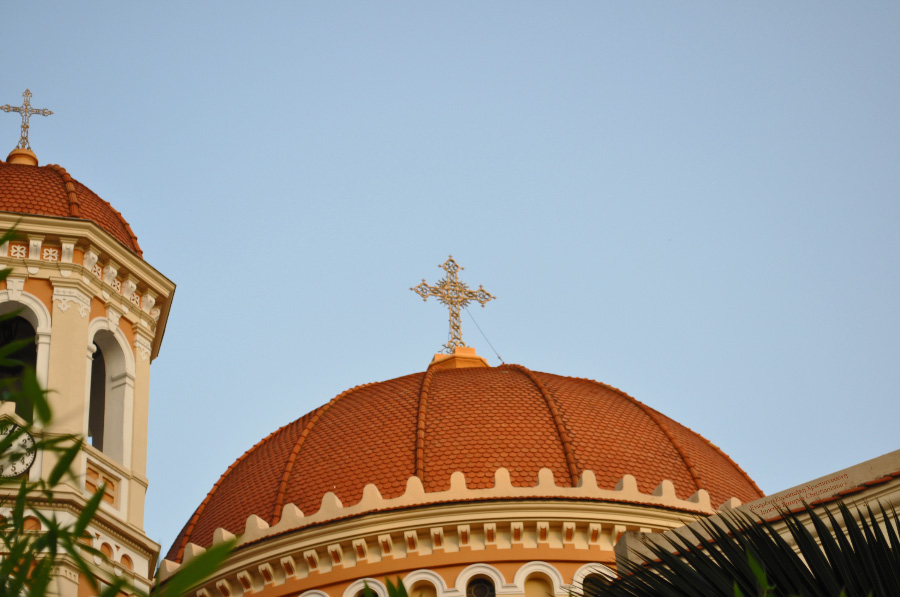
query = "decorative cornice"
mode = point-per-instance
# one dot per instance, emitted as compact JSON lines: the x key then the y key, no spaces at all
{"x":102,"y":282}
{"x":152,"y":296}
{"x":66,"y":571}
{"x":450,"y":534}
{"x":73,"y":503}
{"x":625,"y":493}
{"x":34,"y":253}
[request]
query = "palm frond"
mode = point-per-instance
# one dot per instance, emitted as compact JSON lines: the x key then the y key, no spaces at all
{"x":819,"y":553}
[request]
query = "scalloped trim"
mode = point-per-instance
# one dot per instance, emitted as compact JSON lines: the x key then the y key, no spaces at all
{"x":331,"y":508}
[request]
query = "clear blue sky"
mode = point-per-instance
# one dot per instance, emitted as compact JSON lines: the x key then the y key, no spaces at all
{"x":697,"y":204}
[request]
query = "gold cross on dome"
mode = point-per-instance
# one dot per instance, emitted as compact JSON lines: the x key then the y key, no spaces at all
{"x":26,"y":111}
{"x":455,"y":294}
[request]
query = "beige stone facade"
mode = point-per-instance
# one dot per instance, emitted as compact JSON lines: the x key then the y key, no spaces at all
{"x":80,"y":289}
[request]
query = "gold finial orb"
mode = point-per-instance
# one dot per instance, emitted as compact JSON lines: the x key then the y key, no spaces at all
{"x":22,"y":153}
{"x":455,"y":295}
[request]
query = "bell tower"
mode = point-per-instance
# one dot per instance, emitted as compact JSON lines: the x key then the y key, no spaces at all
{"x":97,"y":310}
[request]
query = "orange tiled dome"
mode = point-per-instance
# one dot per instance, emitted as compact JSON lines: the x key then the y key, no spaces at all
{"x":50,"y":191}
{"x":473,"y":420}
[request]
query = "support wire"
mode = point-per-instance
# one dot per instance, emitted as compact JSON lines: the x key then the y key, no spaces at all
{"x":485,"y":336}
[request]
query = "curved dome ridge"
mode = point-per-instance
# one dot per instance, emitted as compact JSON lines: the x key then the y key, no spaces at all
{"x":289,"y":465}
{"x":698,"y":481}
{"x":446,"y":428}
{"x":481,"y":419}
{"x":659,"y":421}
{"x":720,"y":452}
{"x":562,"y":431}
{"x":51,"y":191}
{"x":658,"y":418}
{"x":421,"y":412}
{"x":182,"y":540}
{"x":69,"y":183}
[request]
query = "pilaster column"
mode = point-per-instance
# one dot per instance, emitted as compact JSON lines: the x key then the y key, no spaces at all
{"x":65,"y":580}
{"x":68,"y":376}
{"x":42,"y":366}
{"x":143,"y":343}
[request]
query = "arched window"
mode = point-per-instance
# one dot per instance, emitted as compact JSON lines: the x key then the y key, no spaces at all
{"x":126,"y":562}
{"x":97,"y":404}
{"x":15,"y":329}
{"x":538,"y":585}
{"x":593,"y":584}
{"x":480,"y":587}
{"x":107,"y":403}
{"x":358,"y":588}
{"x":423,"y":588}
{"x":107,"y":550}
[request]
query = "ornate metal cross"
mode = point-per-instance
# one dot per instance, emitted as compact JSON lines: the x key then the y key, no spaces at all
{"x":455,"y":294}
{"x":26,"y":111}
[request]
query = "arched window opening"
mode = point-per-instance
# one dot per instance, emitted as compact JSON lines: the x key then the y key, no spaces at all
{"x":423,"y":588}
{"x":31,"y":524}
{"x":369,"y":590}
{"x":593,"y":584}
{"x":107,"y":550}
{"x":480,"y":587}
{"x":97,"y":404}
{"x":17,"y":329}
{"x":127,"y":563}
{"x":538,"y":585}
{"x":106,"y":420}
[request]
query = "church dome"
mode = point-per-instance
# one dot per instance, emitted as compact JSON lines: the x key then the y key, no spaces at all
{"x":51,"y":191}
{"x":474,"y":420}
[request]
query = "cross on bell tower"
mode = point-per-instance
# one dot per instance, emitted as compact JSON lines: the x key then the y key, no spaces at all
{"x":26,"y":111}
{"x":455,"y":294}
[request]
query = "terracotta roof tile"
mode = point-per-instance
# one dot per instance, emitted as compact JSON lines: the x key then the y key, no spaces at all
{"x":51,"y":191}
{"x":471,"y":420}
